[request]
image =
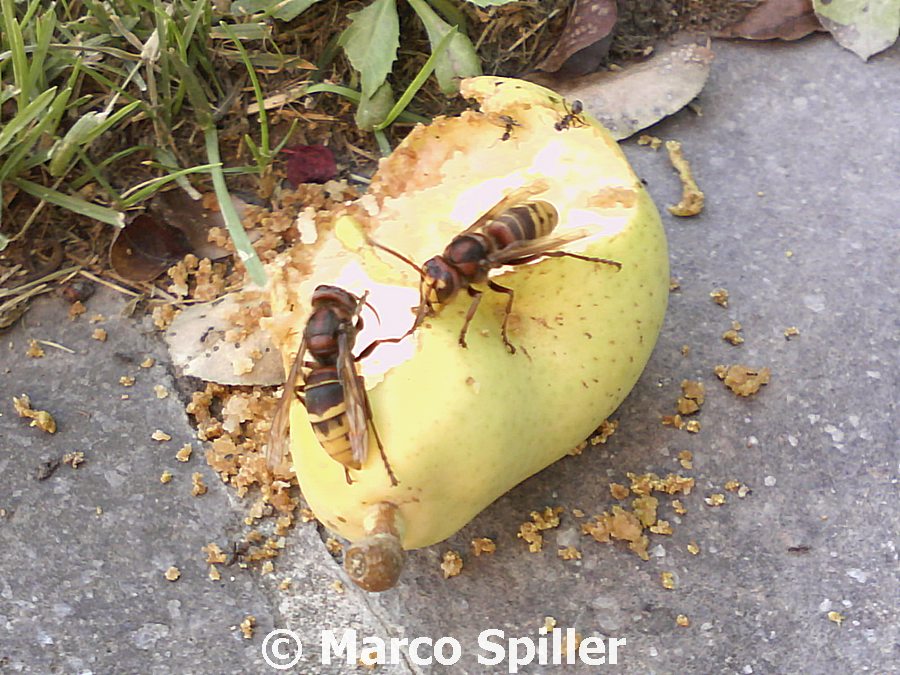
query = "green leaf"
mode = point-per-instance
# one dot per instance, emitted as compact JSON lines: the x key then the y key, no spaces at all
{"x":420,"y":78}
{"x":371,"y":42}
{"x":372,"y":111}
{"x":283,"y":10}
{"x":865,"y":27}
{"x":70,"y":203}
{"x":84,"y":132}
{"x":459,"y":60}
{"x":490,"y":3}
{"x":25,"y":117}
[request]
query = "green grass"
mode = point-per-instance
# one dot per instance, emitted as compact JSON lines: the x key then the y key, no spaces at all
{"x":82,"y":75}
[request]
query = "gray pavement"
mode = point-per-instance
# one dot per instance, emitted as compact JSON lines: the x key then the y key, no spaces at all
{"x":798,"y":150}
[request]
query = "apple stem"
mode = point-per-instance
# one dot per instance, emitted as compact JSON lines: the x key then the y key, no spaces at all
{"x":375,"y":562}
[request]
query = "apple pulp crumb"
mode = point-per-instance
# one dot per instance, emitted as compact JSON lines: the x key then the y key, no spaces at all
{"x":618,"y":491}
{"x":742,"y":380}
{"x":74,"y":459}
{"x":569,"y":553}
{"x":35,"y":351}
{"x":482,"y":545}
{"x":692,"y":198}
{"x":720,"y":297}
{"x":247,"y":626}
{"x":173,"y":573}
{"x":198,"y":487}
{"x":214,"y":554}
{"x":41,"y":419}
{"x":451,"y":564}
{"x":668,"y":580}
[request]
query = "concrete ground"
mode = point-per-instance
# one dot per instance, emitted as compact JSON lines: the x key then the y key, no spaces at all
{"x":798,"y":151}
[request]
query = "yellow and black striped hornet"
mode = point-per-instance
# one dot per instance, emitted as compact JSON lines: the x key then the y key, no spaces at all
{"x":329,"y":386}
{"x":516,"y":230}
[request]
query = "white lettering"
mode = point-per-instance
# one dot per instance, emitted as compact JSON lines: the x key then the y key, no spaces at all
{"x":514,"y":660}
{"x":330,"y":647}
{"x":414,"y":651}
{"x":455,"y":651}
{"x":396,"y":643}
{"x":485,"y":643}
{"x":588,"y":648}
{"x":373,"y":651}
{"x":613,"y":646}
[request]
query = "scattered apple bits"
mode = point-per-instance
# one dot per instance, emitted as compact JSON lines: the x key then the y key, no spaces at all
{"x":606,"y":429}
{"x":836,"y":617}
{"x":715,"y":499}
{"x":452,"y":564}
{"x":619,"y":491}
{"x":163,"y":315}
{"x":74,"y":459}
{"x":160,"y":436}
{"x":653,"y":141}
{"x":668,"y":580}
{"x":692,"y":198}
{"x":198,"y":487}
{"x":742,"y":380}
{"x":482,"y":545}
{"x":569,"y":553}
{"x":165,"y":477}
{"x":338,"y":586}
{"x":733,"y":335}
{"x":687,"y":406}
{"x":790,"y":332}
{"x":99,"y":334}
{"x":39,"y":418}
{"x":148,"y":362}
{"x":334,"y":546}
{"x":720,"y":297}
{"x":160,"y":391}
{"x":622,"y":525}
{"x":35,"y":351}
{"x":184,"y":454}
{"x":76,"y":309}
{"x":214,"y":554}
{"x":686,"y":459}
{"x":685,"y":350}
{"x":127,"y":380}
{"x":173,"y":573}
{"x":674,"y":284}
{"x":530,"y":532}
{"x":678,"y":507}
{"x":683,"y":621}
{"x":692,"y":426}
{"x":692,"y":548}
{"x":214,"y":574}
{"x":247,"y":626}
{"x":645,"y":509}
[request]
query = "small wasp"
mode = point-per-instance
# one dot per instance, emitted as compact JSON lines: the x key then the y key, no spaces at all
{"x":572,"y":117}
{"x":514,"y":231}
{"x":329,"y":386}
{"x":508,"y":123}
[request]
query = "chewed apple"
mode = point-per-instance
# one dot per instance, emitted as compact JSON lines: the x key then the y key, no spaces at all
{"x":461,"y":426}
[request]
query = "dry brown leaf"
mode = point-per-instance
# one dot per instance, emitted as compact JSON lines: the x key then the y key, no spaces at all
{"x":585,"y":40}
{"x":775,"y":20}
{"x":639,"y":95}
{"x":145,"y":248}
{"x":198,"y":345}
